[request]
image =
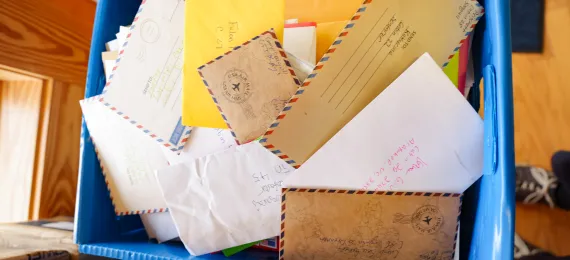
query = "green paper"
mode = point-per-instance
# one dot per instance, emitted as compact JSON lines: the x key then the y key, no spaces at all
{"x":236,"y":249}
{"x":452,"y":69}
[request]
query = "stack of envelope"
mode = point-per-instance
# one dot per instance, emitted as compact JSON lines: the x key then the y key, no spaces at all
{"x":224,"y":126}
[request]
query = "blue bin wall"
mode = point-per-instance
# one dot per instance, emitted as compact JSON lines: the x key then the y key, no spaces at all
{"x":487,"y":219}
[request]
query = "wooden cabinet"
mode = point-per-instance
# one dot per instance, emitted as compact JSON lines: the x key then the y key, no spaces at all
{"x":44,"y":48}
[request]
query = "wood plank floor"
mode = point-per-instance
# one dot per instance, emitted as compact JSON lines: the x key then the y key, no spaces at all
{"x":542,"y":122}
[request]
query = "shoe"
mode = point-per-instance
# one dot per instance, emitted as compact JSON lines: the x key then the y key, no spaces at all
{"x":535,"y":185}
{"x":523,"y":248}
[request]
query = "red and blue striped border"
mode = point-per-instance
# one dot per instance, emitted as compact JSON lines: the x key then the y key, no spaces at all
{"x":320,"y":65}
{"x":307,"y":82}
{"x":121,"y":53}
{"x":457,"y":227}
{"x":283,"y":55}
{"x":471,"y":28}
{"x":284,"y":192}
{"x":106,"y":177}
{"x":164,"y":142}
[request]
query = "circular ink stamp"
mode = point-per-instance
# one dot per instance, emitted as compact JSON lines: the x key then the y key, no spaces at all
{"x":150,"y":31}
{"x":427,"y":220}
{"x":236,"y":86}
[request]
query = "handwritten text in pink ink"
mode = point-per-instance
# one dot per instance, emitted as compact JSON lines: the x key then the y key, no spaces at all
{"x":403,"y":161}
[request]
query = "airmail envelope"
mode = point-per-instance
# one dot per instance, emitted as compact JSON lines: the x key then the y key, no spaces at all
{"x":420,"y":134}
{"x":145,"y":86}
{"x":381,"y":40}
{"x":349,"y":224}
{"x":128,"y":159}
{"x":251,"y":85}
{"x":213,"y":28}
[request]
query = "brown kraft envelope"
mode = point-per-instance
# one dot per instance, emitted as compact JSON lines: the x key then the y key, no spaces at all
{"x":250,"y":85}
{"x":350,"y":224}
{"x":381,"y":40}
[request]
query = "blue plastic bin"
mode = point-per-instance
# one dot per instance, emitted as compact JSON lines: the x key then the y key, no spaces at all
{"x":487,"y":218}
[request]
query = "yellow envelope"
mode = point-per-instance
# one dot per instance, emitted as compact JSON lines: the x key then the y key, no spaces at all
{"x":382,"y":39}
{"x":214,"y":27}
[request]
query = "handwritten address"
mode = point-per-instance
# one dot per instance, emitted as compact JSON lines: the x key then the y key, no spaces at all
{"x":268,"y":188}
{"x":396,"y":35}
{"x":403,"y":161}
{"x":466,"y":15}
{"x":272,"y":56}
{"x":160,"y":86}
{"x":225,"y":35}
{"x":387,"y":249}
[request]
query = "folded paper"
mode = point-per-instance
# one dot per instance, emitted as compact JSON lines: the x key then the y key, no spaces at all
{"x":159,"y":226}
{"x":300,"y":39}
{"x":349,"y":224}
{"x":145,"y":85}
{"x":112,"y":45}
{"x":420,"y":134}
{"x":380,"y":41}
{"x":128,"y":159}
{"x":250,"y":85}
{"x":225,"y":199}
{"x":213,"y":28}
{"x":301,"y":68}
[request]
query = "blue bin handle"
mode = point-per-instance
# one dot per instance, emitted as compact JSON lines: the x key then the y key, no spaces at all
{"x":493,"y":231}
{"x":491,"y":133}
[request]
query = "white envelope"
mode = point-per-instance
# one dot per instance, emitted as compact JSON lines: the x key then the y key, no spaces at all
{"x":225,"y":199}
{"x":419,"y":134}
{"x":128,"y":159}
{"x":122,"y":35}
{"x":202,"y":141}
{"x":145,"y":87}
{"x":112,"y":45}
{"x":300,"y":39}
{"x":108,"y":67}
{"x":159,"y":226}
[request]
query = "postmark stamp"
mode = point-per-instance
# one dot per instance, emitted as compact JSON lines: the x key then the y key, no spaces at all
{"x":427,"y":219}
{"x":150,"y":31}
{"x":236,"y":86}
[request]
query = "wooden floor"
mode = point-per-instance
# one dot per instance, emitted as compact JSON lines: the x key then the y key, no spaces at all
{"x":542,"y":122}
